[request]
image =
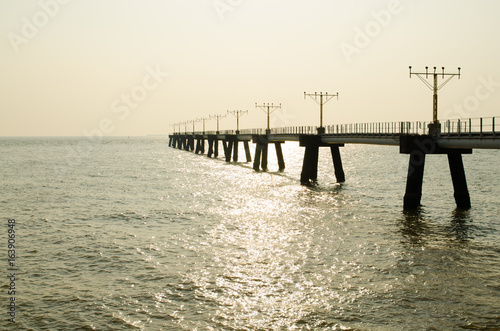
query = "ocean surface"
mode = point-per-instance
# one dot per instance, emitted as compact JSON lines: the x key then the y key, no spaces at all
{"x":129,"y":234}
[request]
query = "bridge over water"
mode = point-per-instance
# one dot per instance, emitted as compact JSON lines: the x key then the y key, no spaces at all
{"x":417,"y":139}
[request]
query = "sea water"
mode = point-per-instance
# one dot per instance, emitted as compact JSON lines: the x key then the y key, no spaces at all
{"x":127,"y":233}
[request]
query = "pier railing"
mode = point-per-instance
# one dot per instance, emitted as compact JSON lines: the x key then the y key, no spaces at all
{"x":295,"y":130}
{"x":470,"y":126}
{"x":451,"y":127}
{"x":384,"y":128}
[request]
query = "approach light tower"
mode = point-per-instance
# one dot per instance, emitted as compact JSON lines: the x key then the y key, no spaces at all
{"x":203,"y":120}
{"x":238,"y":114}
{"x":323,"y":98}
{"x":217,"y":117}
{"x":269,"y":108}
{"x":194,"y":122}
{"x":435,"y":127}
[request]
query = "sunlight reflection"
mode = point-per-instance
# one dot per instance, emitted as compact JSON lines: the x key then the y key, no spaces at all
{"x":263,"y":270}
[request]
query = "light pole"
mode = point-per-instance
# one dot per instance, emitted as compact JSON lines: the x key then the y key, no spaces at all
{"x":217,"y":117}
{"x":238,"y":114}
{"x":269,"y":108}
{"x":194,"y":122}
{"x":323,"y":98}
{"x":435,"y":127}
{"x":203,"y":120}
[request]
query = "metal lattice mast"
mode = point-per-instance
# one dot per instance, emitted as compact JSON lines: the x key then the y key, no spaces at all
{"x":217,"y":117}
{"x":435,"y":87}
{"x":238,"y":114}
{"x":269,"y":108}
{"x":323,"y":99}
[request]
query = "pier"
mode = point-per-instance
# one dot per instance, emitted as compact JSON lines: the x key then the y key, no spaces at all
{"x":416,"y":139}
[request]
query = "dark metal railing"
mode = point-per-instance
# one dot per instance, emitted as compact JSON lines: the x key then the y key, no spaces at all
{"x":471,"y":126}
{"x":450,"y":127}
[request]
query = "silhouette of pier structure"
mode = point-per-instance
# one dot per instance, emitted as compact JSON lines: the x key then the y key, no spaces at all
{"x":417,"y":139}
{"x":456,"y":137}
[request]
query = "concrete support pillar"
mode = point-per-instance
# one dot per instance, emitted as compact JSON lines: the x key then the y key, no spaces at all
{"x":261,"y":150}
{"x":235,"y":152}
{"x":310,"y":164}
{"x":228,"y":150}
{"x":337,"y":163}
{"x":257,"y":157}
{"x":216,"y":147}
{"x":210,"y":141}
{"x":420,"y":145}
{"x":279,"y":155}
{"x":314,"y":163}
{"x":169,"y":141}
{"x":413,"y":193}
{"x":247,"y":151}
{"x":263,"y":164}
{"x":198,"y":146}
{"x":461,"y":192}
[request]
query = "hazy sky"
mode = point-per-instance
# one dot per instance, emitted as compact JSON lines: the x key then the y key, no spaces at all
{"x":130,"y":67}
